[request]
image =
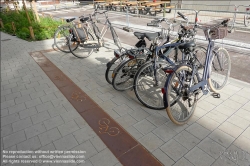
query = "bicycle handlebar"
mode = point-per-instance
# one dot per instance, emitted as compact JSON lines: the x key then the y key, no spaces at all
{"x":182,"y":16}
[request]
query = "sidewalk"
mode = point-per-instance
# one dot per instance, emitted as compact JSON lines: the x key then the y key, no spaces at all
{"x":35,"y":114}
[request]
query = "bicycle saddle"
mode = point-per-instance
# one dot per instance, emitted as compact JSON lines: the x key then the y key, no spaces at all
{"x":139,"y":35}
{"x":187,"y":45}
{"x":152,"y":36}
{"x":84,"y":19}
{"x":70,"y":19}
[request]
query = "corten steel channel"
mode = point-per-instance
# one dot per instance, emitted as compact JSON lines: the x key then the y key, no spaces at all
{"x":124,"y":147}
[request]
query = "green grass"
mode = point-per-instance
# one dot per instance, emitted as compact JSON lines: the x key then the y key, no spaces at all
{"x":43,"y":30}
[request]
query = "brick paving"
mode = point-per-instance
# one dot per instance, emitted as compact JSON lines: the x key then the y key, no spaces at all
{"x":35,"y":115}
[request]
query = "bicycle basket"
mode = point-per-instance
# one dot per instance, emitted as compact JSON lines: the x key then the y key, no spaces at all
{"x":80,"y":34}
{"x":217,"y":33}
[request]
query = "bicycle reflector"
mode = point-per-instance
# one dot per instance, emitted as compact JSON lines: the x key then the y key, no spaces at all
{"x":117,"y":55}
{"x":163,"y":90}
{"x":169,"y":71}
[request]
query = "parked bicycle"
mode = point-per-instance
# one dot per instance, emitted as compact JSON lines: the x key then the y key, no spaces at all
{"x":184,"y":83}
{"x":85,"y":47}
{"x":247,"y":16}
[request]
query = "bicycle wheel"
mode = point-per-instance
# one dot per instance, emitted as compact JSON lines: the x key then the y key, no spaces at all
{"x":220,"y":70}
{"x":83,"y":50}
{"x":247,"y":19}
{"x":145,"y":87}
{"x":124,"y":75}
{"x":180,"y":104}
{"x":111,"y":67}
{"x":61,"y":39}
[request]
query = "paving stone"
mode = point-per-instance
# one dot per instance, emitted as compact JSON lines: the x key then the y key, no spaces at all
{"x":40,"y":117}
{"x":236,"y":155}
{"x":217,"y":116}
{"x":44,"y":107}
{"x":50,"y":136}
{"x":176,"y":128}
{"x":13,"y":139}
{"x":5,"y":92}
{"x":208,"y":123}
{"x":230,"y":89}
{"x":22,"y":99}
{"x":88,"y":147}
{"x":68,"y":128}
{"x":164,"y":132}
{"x":66,"y":143}
{"x":232,"y":104}
{"x":222,"y":138}
{"x":223,"y":162}
{"x":106,"y":96}
{"x":21,"y":124}
{"x":4,"y":112}
{"x":6,"y":130}
{"x":27,"y":91}
{"x":68,"y":116}
{"x":238,"y":121}
{"x":18,"y":88}
{"x":33,"y":103}
{"x":244,"y":93}
{"x":157,"y":119}
{"x":144,"y":126}
{"x":30,"y":144}
{"x":187,"y":140}
{"x":244,"y":114}
{"x":42,"y":87}
{"x":183,"y":162}
{"x":198,"y":131}
{"x":211,"y":147}
{"x":49,"y":147}
{"x":53,"y":122}
{"x":84,"y":134}
{"x":214,"y":101}
{"x":48,"y":97}
{"x":9,"y":86}
{"x":246,"y":106}
{"x":34,"y":130}
{"x":98,"y":144}
{"x":119,"y":100}
{"x":27,"y":112}
{"x":80,"y":122}
{"x":150,"y":145}
{"x":9,"y":119}
{"x":162,"y":157}
{"x":105,"y":157}
{"x":7,"y":104}
{"x":231,"y":129}
{"x":36,"y":95}
{"x":225,"y":110}
{"x":122,"y":109}
{"x":139,"y":114}
{"x":86,"y":163}
{"x":126,"y":121}
{"x":134,"y":132}
{"x":174,"y":150}
{"x":16,"y":108}
{"x":199,"y":158}
{"x":243,"y":143}
{"x":32,"y":84}
{"x":206,"y":105}
{"x":12,"y":96}
{"x":239,"y":99}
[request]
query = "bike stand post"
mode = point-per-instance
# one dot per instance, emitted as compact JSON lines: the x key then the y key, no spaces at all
{"x":127,"y":28}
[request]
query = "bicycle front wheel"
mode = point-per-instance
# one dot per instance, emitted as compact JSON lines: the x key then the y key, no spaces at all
{"x":147,"y":90}
{"x":247,"y":19}
{"x":61,"y":39}
{"x":180,"y":103}
{"x":220,"y":70}
{"x":124,"y":75}
{"x":82,"y":50}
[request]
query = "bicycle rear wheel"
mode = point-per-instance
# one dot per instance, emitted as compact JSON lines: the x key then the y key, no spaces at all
{"x":220,"y":70}
{"x":61,"y":39}
{"x":145,"y":87}
{"x":247,"y":19}
{"x":124,"y":75}
{"x":83,"y":50}
{"x":180,"y":104}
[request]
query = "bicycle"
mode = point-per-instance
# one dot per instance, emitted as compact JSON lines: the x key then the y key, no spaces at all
{"x":85,"y":48}
{"x":247,"y":17}
{"x":181,"y":90}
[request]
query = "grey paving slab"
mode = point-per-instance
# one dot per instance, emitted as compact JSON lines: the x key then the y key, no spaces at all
{"x":21,"y":124}
{"x":27,"y":112}
{"x":53,"y":122}
{"x":105,"y":157}
{"x":13,"y":139}
{"x":30,"y":144}
{"x":49,"y":136}
{"x":66,"y":143}
{"x":144,"y":126}
{"x":68,"y":128}
{"x":199,"y":158}
{"x":222,"y":138}
{"x":17,"y":108}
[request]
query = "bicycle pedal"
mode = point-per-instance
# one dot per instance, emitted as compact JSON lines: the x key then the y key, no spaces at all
{"x":216,"y":95}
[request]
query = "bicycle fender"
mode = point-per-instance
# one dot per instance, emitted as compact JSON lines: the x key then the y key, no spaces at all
{"x":165,"y":101}
{"x":110,"y":63}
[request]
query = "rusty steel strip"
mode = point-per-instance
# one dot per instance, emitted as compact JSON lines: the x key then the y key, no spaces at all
{"x":124,"y":147}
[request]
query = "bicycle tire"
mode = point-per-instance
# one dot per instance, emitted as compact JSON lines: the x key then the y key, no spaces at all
{"x":124,"y":75}
{"x":219,"y":72}
{"x":247,"y":20}
{"x":111,"y":67}
{"x":175,"y":98}
{"x":61,"y":38}
{"x":150,"y":95}
{"x":83,"y":50}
